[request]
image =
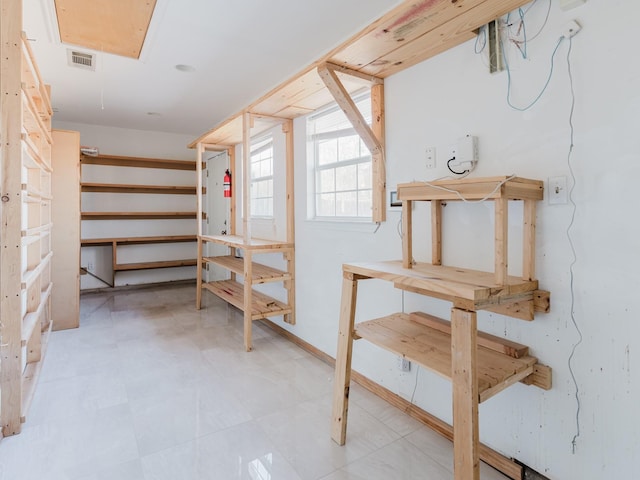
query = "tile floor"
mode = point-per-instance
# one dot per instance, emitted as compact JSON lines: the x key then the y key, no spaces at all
{"x":150,"y":388}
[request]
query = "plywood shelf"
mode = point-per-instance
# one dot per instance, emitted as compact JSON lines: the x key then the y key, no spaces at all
{"x":157,"y":189}
{"x":139,"y":162}
{"x":259,"y":273}
{"x":122,"y":267}
{"x":136,"y":215}
{"x":262,"y":306}
{"x":137,"y":240}
{"x":431,"y":349}
{"x":236,"y":241}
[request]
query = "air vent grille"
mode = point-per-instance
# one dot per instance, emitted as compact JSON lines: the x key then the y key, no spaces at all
{"x":82,"y":60}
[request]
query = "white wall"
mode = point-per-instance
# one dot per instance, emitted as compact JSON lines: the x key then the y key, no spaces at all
{"x":136,"y":143}
{"x":437,"y":101}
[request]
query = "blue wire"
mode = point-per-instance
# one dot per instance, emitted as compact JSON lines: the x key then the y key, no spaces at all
{"x":524,"y":32}
{"x":544,"y":88}
{"x":484,"y":44}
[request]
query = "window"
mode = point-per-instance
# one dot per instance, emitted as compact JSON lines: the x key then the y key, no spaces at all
{"x":261,"y":198}
{"x":341,"y":164}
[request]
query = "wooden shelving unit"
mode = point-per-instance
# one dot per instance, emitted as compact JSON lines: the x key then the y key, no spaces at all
{"x":479,"y":365}
{"x":25,"y":283}
{"x":121,"y":188}
{"x":254,"y":305}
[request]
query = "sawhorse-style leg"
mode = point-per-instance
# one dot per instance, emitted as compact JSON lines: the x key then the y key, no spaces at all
{"x":464,"y":379}
{"x":343,"y":359}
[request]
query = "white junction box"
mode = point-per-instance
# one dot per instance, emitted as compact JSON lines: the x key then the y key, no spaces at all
{"x":465,"y":153}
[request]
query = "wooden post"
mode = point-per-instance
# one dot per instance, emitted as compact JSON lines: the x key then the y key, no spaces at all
{"x":379,"y":180}
{"x":199,"y":275}
{"x":407,"y":235}
{"x":290,"y":257}
{"x":342,"y":379}
{"x":501,"y":243}
{"x":248,"y":277}
{"x":231,"y":154}
{"x":436,"y":232}
{"x":529,"y":241}
{"x":465,"y":395}
{"x":10,"y":215}
{"x":246,"y":176}
{"x":199,"y":158}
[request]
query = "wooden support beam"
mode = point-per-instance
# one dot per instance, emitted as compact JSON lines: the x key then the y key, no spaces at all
{"x":529,"y":240}
{"x":407,"y":235}
{"x":342,"y":380}
{"x":290,"y":285}
{"x":465,"y":395}
{"x":378,"y":159}
{"x":199,"y":154}
{"x":248,"y":319}
{"x":501,"y":242}
{"x":10,"y":216}
{"x":370,"y":79}
{"x":247,"y":122}
{"x":436,"y":232}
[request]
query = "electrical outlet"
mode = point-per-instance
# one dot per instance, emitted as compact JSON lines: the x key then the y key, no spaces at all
{"x":570,"y":29}
{"x":404,"y":365}
{"x":558,"y":193}
{"x":90,"y":267}
{"x":430,"y":157}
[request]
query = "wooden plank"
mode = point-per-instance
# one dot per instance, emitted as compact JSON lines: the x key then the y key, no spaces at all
{"x":523,"y":310}
{"x":10,"y":216}
{"x":237,"y":241}
{"x":117,"y":27}
{"x":501,"y":463}
{"x":529,"y":240}
{"x":464,"y":378}
{"x":199,"y":180}
{"x":289,"y":256}
{"x":541,"y":377}
{"x":32,"y":320}
{"x":158,"y":189}
{"x":65,"y":238}
{"x":492,"y":342}
{"x":436,"y":232}
{"x":199,"y":268}
{"x":138,"y":162}
{"x":138,"y":240}
{"x":431,"y":348}
{"x":30,"y":276}
{"x":261,"y":273}
{"x":342,"y":380}
{"x":248,"y":300}
{"x":450,"y":283}
{"x":501,"y":240}
{"x":136,"y":215}
{"x":232,"y":292}
{"x":542,"y":301}
{"x":378,"y":158}
{"x":246,"y":177}
{"x":122,"y":267}
{"x":31,"y":375}
{"x":516,"y":188}
{"x":407,"y":235}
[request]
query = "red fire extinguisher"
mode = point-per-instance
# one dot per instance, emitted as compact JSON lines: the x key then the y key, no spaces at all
{"x":227,"y":184}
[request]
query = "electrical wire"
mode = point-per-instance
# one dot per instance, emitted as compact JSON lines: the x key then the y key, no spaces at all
{"x":573,"y":252}
{"x":465,"y":200}
{"x":452,"y":170}
{"x":544,"y":24}
{"x":483,"y":34}
{"x":544,"y":88}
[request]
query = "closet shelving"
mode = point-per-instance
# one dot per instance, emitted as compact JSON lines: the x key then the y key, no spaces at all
{"x":26,"y":226}
{"x":121,"y":188}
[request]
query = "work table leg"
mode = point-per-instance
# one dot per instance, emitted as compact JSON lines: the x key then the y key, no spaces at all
{"x":248,"y":291}
{"x":198,"y":276}
{"x":465,"y":395}
{"x":342,"y":379}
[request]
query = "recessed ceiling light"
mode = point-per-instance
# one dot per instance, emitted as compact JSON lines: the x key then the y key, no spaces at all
{"x":185,"y":68}
{"x":154,"y":114}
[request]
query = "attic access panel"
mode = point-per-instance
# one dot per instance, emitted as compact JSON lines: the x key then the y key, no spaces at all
{"x":111,"y":26}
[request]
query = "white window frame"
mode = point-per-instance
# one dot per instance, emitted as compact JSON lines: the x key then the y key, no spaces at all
{"x":315,"y":169}
{"x":258,"y":147}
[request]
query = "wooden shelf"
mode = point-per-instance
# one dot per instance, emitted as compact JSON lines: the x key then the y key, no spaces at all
{"x":158,"y":189}
{"x":262,"y":306}
{"x":472,"y":288}
{"x":122,"y":267}
{"x":236,"y":241}
{"x":140,"y":162}
{"x":137,"y":240}
{"x":136,"y":215}
{"x":260,"y":273}
{"x":410,"y":33}
{"x":431,"y":349}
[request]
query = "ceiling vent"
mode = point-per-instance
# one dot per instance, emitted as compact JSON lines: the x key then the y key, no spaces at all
{"x":86,"y":61}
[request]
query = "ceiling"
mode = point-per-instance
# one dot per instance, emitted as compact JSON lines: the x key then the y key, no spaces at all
{"x":239,"y":50}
